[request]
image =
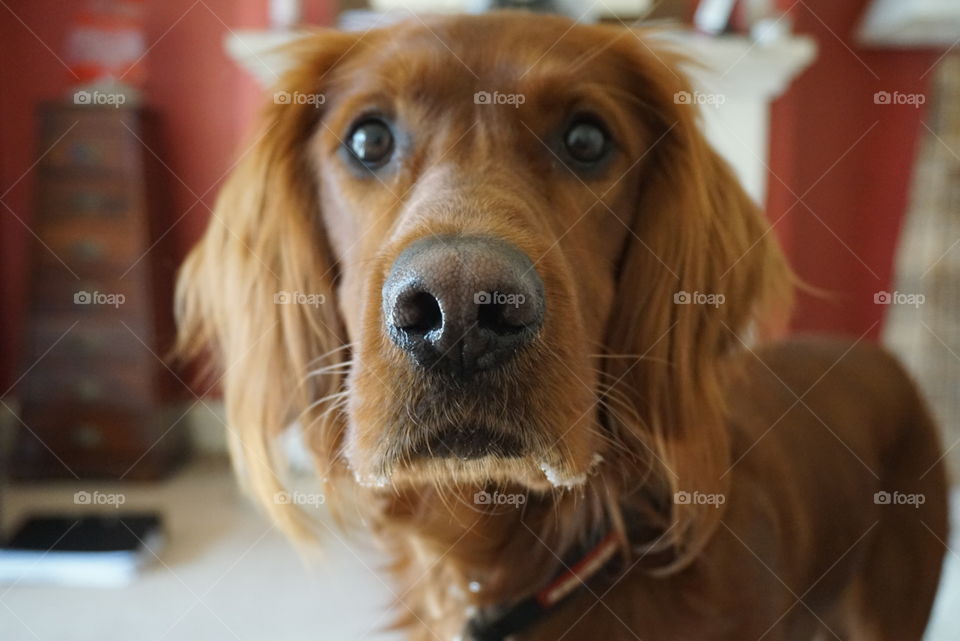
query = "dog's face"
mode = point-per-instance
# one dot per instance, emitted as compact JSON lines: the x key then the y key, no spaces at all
{"x":502,"y":213}
{"x":477,"y":205}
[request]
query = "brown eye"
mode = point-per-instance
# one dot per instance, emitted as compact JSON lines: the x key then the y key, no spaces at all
{"x":371,"y":142}
{"x":586,"y":142}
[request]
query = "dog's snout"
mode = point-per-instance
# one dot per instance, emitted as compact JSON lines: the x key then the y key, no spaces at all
{"x":462,"y":304}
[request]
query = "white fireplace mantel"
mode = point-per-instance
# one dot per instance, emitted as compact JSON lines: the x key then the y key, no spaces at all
{"x":739,"y":79}
{"x":736,"y":80}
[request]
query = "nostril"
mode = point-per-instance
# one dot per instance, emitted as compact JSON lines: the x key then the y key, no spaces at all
{"x":417,"y":312}
{"x":509,"y":313}
{"x":497,"y":318}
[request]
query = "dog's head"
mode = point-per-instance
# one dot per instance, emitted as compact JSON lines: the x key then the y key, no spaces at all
{"x":481,"y":249}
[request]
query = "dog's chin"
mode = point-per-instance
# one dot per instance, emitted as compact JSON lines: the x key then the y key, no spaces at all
{"x":479,"y":471}
{"x":468,"y":443}
{"x":473,"y":455}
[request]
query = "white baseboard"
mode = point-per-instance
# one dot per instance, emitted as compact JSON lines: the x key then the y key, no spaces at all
{"x":206,"y":424}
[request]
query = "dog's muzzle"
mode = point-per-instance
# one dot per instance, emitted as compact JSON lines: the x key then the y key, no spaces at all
{"x":459,"y":305}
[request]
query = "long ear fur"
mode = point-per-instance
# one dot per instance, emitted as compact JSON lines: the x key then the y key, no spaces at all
{"x":266,"y":238}
{"x":694,"y":220}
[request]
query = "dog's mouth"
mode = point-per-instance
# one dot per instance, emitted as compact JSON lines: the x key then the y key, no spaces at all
{"x":494,"y":427}
{"x":468,"y":442}
{"x":468,"y":451}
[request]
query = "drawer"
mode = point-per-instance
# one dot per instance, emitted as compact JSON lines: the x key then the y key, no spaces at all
{"x":93,"y":248}
{"x":94,"y":440}
{"x":120,"y":382}
{"x":73,"y":195}
{"x":89,"y":138}
{"x":57,"y":117}
{"x":88,"y":426}
{"x":75,"y":151}
{"x":90,"y":339}
{"x":54,"y":289}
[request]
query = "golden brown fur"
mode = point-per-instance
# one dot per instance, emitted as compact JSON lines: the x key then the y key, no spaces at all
{"x":668,"y":395}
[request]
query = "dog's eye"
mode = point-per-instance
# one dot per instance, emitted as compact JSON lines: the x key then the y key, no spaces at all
{"x":586,"y":142}
{"x":371,"y":141}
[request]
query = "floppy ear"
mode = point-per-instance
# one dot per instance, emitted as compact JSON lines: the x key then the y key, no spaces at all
{"x":257,"y":292}
{"x":701,"y":265}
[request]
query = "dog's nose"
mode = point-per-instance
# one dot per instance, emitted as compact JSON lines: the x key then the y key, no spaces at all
{"x":462,"y":304}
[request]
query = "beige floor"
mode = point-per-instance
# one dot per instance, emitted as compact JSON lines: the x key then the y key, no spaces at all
{"x":227,"y":575}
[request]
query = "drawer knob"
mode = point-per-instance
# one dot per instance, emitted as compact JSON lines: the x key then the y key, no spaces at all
{"x":88,"y":250}
{"x":87,"y":435}
{"x":84,"y":153}
{"x":89,"y":389}
{"x":85,"y":344}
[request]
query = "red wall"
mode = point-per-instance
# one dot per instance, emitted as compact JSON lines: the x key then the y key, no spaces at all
{"x":842,"y":234}
{"x":204,"y":102}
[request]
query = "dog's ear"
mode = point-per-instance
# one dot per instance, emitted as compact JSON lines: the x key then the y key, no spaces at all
{"x":700,"y":268}
{"x":257,"y":292}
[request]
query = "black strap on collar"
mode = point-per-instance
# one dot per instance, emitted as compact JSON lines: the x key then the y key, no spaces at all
{"x":499,"y":623}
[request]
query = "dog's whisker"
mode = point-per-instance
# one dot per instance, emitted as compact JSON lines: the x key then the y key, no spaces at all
{"x":342,"y":394}
{"x":329,"y":369}
{"x":633,"y":357}
{"x":329,"y":353}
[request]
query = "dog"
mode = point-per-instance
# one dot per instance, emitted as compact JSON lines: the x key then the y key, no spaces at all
{"x":526,"y":319}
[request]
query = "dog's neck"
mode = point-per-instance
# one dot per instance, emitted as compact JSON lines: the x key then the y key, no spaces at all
{"x":457,"y":551}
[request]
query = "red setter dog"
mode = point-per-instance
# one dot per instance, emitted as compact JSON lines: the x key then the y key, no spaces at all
{"x":499,"y":277}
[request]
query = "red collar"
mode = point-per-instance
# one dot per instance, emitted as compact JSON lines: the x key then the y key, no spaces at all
{"x":500,"y":622}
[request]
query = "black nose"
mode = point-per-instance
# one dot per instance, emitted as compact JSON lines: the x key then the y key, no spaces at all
{"x":462,"y":304}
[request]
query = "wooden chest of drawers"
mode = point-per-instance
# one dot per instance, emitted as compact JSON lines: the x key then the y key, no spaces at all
{"x":95,"y":395}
